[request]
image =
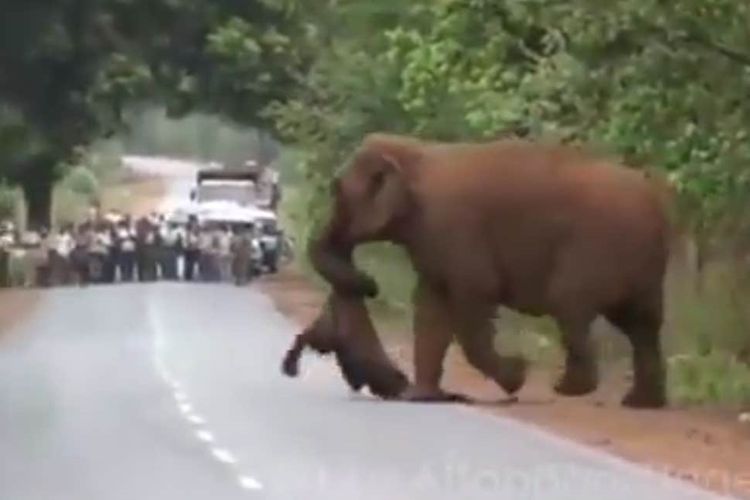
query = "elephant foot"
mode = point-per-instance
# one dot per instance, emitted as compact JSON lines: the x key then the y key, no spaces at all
{"x":578,"y":381}
{"x":416,"y":394}
{"x":512,"y":375}
{"x":645,"y":398}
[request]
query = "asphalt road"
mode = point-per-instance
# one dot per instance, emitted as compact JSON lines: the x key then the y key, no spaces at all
{"x":173,"y":392}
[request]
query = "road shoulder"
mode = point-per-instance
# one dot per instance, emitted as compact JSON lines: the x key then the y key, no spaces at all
{"x":15,"y":305}
{"x":704,"y":447}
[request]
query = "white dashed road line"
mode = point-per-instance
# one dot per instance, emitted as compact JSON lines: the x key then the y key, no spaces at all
{"x":197,"y":422}
{"x":205,"y":436}
{"x":223,"y":456}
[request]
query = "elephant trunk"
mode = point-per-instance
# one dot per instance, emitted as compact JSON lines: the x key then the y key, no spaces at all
{"x":331,"y":256}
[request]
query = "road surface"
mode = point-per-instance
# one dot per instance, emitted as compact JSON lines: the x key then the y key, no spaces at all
{"x":173,"y":392}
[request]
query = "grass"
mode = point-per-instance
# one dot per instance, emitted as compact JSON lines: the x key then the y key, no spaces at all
{"x":707,"y":336}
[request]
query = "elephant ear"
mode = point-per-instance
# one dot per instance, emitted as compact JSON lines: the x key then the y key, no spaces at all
{"x":393,"y":160}
{"x":399,"y":152}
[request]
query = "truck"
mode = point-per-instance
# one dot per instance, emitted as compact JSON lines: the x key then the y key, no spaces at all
{"x":249,"y":185}
{"x":241,"y":196}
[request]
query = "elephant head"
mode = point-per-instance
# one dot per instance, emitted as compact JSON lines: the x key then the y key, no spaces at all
{"x":372,"y":201}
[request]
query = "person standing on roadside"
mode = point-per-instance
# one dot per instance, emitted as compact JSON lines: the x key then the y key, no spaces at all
{"x":60,"y":257}
{"x":99,"y":254}
{"x":192,"y":249}
{"x":169,"y":250}
{"x":145,"y":250}
{"x":209,"y":246}
{"x":80,"y":255}
{"x":6,"y":243}
{"x":107,"y":234}
{"x":125,"y":237}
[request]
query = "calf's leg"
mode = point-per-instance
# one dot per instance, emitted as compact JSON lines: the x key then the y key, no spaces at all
{"x":344,"y":327}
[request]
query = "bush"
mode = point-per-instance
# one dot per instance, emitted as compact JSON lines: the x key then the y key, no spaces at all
{"x":709,"y":378}
{"x":82,"y":181}
{"x":104,"y":166}
{"x":9,"y":200}
{"x":68,"y":205}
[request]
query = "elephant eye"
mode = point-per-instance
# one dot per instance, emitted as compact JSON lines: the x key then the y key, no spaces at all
{"x":376,"y":183}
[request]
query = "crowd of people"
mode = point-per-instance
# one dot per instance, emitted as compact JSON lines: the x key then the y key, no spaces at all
{"x":114,"y":247}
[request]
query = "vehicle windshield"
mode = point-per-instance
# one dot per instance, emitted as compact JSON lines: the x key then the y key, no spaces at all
{"x":239,"y":192}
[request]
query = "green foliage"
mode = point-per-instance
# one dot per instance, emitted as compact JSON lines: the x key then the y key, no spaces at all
{"x":9,"y":202}
{"x":69,"y":70}
{"x":198,"y":136}
{"x":659,"y":84}
{"x":709,"y":378}
{"x":82,"y":181}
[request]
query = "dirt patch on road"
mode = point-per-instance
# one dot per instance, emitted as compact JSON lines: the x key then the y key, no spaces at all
{"x":706,"y":448}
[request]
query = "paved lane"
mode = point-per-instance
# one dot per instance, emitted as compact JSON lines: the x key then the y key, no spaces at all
{"x":83,"y":414}
{"x":172,"y":391}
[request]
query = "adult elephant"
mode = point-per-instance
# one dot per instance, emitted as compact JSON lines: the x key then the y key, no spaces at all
{"x":542,"y":229}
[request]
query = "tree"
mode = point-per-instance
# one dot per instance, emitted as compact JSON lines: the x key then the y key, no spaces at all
{"x":69,"y":69}
{"x":660,"y":85}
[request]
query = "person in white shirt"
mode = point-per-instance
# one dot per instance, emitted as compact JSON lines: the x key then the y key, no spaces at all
{"x":61,"y":248}
{"x":126,"y":246}
{"x":169,"y":250}
{"x":6,"y":242}
{"x":98,"y":254}
{"x":209,"y":257}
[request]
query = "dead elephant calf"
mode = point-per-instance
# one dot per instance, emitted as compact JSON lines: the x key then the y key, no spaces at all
{"x":344,"y":328}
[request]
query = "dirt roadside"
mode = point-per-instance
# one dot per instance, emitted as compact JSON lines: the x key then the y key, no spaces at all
{"x":15,"y":305}
{"x":137,"y":195}
{"x":700,"y":446}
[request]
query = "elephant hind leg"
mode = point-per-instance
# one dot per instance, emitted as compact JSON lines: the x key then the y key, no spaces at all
{"x":640,"y":320}
{"x":476,"y":335}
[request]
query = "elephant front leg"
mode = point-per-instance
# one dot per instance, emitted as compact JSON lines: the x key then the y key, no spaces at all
{"x":475,"y":334}
{"x":432,"y":337}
